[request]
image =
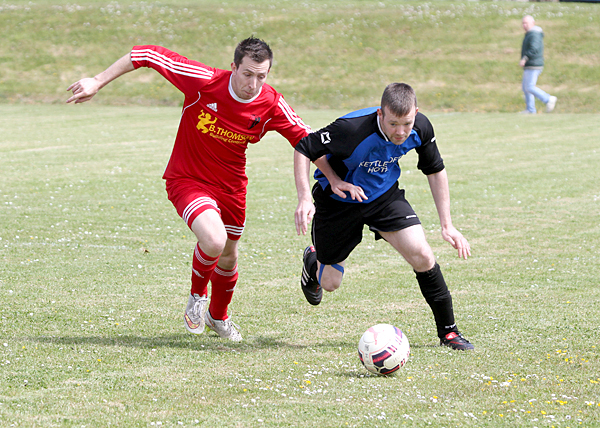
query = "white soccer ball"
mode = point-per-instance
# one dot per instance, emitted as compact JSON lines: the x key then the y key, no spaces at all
{"x":383,"y":349}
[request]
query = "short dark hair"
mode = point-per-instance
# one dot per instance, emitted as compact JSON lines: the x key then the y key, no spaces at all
{"x":399,"y":98}
{"x":258,"y":50}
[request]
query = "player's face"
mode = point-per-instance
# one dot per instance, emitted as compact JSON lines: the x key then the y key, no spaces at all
{"x":248,"y":78}
{"x":397,"y":129}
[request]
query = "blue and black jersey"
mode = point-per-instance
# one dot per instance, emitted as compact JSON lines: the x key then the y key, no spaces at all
{"x":361,"y":154}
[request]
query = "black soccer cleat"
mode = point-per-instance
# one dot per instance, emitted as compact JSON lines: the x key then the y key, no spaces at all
{"x":310,"y":287}
{"x":456,"y":341}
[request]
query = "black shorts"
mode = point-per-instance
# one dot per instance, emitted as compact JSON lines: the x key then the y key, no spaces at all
{"x":337,"y":227}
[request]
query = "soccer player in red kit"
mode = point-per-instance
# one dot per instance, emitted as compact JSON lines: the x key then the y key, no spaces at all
{"x":223,"y":112}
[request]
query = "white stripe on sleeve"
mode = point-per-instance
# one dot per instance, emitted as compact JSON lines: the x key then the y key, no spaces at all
{"x":170,"y":65}
{"x":291,"y":115}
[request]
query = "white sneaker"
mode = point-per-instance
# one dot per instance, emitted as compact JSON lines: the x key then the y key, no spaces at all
{"x":226,"y":329}
{"x":194,"y":314}
{"x":551,"y":104}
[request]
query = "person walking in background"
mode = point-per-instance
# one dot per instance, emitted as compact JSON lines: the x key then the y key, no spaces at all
{"x":532,"y":61}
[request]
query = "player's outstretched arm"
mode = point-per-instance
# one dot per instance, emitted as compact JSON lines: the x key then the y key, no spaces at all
{"x":85,"y":89}
{"x":306,"y":209}
{"x":438,"y":183}
{"x":339,"y":186}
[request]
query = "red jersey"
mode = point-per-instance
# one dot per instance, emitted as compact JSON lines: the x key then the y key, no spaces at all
{"x":216,"y":125}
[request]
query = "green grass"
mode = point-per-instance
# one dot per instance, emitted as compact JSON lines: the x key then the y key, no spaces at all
{"x":339,"y":54}
{"x":95,"y":263}
{"x":95,"y":268}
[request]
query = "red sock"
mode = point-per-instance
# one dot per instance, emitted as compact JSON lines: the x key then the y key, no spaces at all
{"x":223,"y":283}
{"x":202,"y":269}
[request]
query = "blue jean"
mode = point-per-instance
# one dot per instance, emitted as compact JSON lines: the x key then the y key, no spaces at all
{"x":532,"y":92}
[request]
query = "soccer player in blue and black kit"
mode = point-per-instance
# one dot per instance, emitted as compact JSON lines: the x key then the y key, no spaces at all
{"x":357,"y":183}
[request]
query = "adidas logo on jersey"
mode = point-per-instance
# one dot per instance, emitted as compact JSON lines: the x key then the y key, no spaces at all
{"x":212,"y":106}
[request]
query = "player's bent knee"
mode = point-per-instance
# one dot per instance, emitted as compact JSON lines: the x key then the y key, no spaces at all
{"x":210,"y":232}
{"x":229,"y":257}
{"x":330,"y":284}
{"x":422,"y":262}
{"x":330,"y":277}
{"x":212,"y":245}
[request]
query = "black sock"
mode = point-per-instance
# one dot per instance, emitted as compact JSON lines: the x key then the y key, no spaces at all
{"x":436,"y":293}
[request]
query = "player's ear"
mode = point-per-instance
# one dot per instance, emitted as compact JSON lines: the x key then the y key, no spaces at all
{"x":380,"y":113}
{"x":233,"y":67}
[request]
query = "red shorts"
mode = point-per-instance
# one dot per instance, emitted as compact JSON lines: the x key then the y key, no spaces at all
{"x":191,"y":198}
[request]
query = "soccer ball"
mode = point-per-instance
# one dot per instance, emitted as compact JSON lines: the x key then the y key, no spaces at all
{"x":383,"y":349}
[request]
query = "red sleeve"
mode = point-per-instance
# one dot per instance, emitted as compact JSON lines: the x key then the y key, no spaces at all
{"x":288,"y":123}
{"x":188,"y":76}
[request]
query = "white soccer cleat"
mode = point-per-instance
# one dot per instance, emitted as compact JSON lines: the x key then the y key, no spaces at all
{"x":193,"y":319}
{"x":551,"y":104}
{"x":227,"y":329}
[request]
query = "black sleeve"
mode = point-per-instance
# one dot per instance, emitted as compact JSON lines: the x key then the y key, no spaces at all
{"x":430,"y":160}
{"x":311,"y":146}
{"x":338,"y":139}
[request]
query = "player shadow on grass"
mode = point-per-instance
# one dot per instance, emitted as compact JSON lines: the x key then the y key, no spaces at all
{"x":206,"y":342}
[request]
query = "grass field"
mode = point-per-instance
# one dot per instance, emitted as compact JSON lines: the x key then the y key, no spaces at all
{"x":95,"y":266}
{"x":461,"y":56}
{"x":95,"y":263}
